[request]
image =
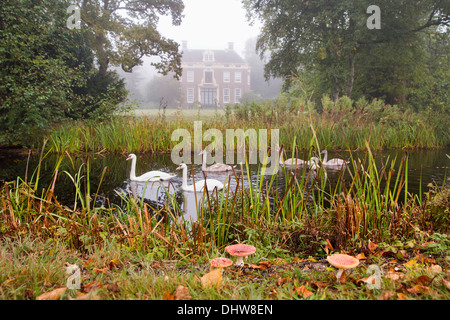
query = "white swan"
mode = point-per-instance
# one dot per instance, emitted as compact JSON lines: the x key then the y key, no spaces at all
{"x":211,"y":184}
{"x":334,"y":163}
{"x":313,"y":163}
{"x":150,"y":176}
{"x":292,"y":162}
{"x":218,"y":167}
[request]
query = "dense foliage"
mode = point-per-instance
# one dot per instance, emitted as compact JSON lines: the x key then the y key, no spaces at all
{"x":50,"y":72}
{"x":330,"y":48}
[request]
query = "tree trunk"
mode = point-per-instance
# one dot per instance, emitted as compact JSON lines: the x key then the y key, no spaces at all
{"x":351,"y":77}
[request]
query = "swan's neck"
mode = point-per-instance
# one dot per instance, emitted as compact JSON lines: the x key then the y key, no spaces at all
{"x":133,"y":169}
{"x":281,"y":157}
{"x":204,"y":161}
{"x":184,"y":184}
{"x":325,"y":158}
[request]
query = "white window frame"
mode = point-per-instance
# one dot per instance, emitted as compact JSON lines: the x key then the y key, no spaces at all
{"x":190,"y":76}
{"x":190,"y":95}
{"x":226,"y":95}
{"x":237,"y":95}
{"x":226,"y":76}
{"x":237,"y":76}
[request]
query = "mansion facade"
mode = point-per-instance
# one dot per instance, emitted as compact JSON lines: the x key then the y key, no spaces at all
{"x":213,"y":78}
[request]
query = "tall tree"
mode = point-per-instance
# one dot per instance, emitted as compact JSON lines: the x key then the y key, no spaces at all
{"x":124,"y":31}
{"x":324,"y":37}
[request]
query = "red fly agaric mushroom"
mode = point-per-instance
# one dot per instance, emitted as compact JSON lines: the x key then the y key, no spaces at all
{"x":342,"y":262}
{"x":220,"y":263}
{"x":240,"y":251}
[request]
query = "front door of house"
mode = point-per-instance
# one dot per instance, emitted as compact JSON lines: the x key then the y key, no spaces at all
{"x":208,"y":97}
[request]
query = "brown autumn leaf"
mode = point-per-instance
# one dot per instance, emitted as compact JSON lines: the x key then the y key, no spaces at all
{"x":361,"y":256}
{"x":320,"y":284}
{"x":328,"y":246}
{"x":385,"y":295}
{"x":423,"y":280}
{"x":391,"y":274}
{"x":414,"y":290}
{"x":92,"y":286}
{"x":261,"y":265}
{"x":168,"y":296}
{"x":52,"y":295}
{"x":213,"y":278}
{"x":372,"y":246}
{"x":182,"y":293}
{"x":103,"y":270}
{"x":281,"y":280}
{"x":302,"y":290}
{"x":401,"y":296}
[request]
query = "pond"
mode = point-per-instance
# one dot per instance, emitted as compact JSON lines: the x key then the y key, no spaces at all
{"x":424,"y":167}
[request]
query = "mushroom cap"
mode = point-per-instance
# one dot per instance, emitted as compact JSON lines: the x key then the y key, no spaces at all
{"x":342,"y":261}
{"x":220,"y":262}
{"x":240,"y":250}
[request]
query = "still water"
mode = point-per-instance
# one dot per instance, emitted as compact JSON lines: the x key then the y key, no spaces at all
{"x":424,"y":167}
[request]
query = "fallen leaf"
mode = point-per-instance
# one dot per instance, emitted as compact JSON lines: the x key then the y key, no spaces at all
{"x":103,"y":270}
{"x":52,"y":295}
{"x":386,"y":295}
{"x":168,"y":296}
{"x":280,"y":281}
{"x":394,"y":275}
{"x":92,"y":286}
{"x":361,"y":256}
{"x":213,"y":278}
{"x":423,"y":280}
{"x":401,"y":296}
{"x":372,"y":246}
{"x":414,"y":290}
{"x":261,"y":266}
{"x":320,"y":284}
{"x":328,"y":246}
{"x":303,"y":291}
{"x":182,"y":293}
{"x":411,"y":263}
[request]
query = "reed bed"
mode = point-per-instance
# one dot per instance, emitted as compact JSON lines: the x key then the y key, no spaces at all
{"x":342,"y":125}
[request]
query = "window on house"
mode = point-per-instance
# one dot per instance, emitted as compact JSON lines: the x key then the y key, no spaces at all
{"x":208,"y":56}
{"x":190,"y":95}
{"x":190,"y":76}
{"x":226,"y":76}
{"x":238,"y":77}
{"x":208,"y":77}
{"x":208,"y":96}
{"x":226,"y":95}
{"x":237,"y":95}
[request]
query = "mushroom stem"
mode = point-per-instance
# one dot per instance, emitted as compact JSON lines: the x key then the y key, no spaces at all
{"x":339,"y":274}
{"x":239,"y":261}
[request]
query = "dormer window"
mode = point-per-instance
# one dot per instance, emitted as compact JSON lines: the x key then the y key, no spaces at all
{"x":208,"y":56}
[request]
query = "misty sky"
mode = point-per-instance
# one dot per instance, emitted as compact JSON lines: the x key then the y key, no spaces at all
{"x":211,"y":24}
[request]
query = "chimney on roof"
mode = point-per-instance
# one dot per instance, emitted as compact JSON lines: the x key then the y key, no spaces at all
{"x":231,"y":46}
{"x":184,"y":45}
